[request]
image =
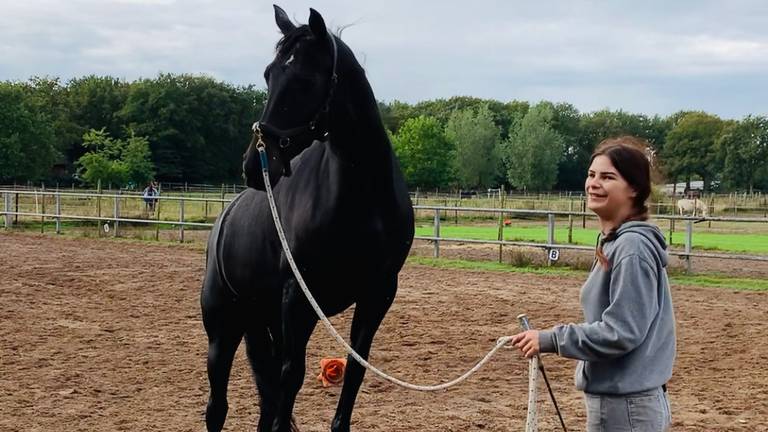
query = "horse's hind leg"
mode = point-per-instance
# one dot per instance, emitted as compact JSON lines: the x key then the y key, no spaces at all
{"x":224,"y":335}
{"x":265,"y":365}
{"x":298,"y":322}
{"x":368,"y":316}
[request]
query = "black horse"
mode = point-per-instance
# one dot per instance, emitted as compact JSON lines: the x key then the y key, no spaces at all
{"x":346,"y":213}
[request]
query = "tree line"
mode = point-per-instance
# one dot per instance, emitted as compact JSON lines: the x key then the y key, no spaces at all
{"x":195,"y":128}
{"x":172,"y":127}
{"x":476,"y":143}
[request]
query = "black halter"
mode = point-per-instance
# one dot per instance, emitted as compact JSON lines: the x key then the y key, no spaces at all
{"x":287,"y":137}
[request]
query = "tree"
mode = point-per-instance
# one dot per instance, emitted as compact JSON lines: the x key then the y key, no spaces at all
{"x":532,"y":153}
{"x":115,"y":161}
{"x":424,"y":152}
{"x":27,"y":144}
{"x":566,"y":121}
{"x":505,"y":115}
{"x":690,"y":147}
{"x":475,"y":137}
{"x":93,"y":102}
{"x":744,"y":151}
{"x":198,"y":128}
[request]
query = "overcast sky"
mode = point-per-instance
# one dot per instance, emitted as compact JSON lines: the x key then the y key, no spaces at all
{"x":640,"y":56}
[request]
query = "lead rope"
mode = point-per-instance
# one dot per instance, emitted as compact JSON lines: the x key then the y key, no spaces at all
{"x":281,"y":234}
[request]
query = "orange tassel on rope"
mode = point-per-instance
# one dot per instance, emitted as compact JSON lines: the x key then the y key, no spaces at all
{"x":332,"y":371}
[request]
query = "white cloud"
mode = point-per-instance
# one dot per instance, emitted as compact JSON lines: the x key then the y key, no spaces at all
{"x":646,"y":56}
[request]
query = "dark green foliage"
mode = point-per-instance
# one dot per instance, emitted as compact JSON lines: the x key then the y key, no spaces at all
{"x":27,"y":150}
{"x":113,"y":161}
{"x":425,"y":154}
{"x":475,"y":137}
{"x":532,"y":153}
{"x":197,"y":129}
{"x":690,"y":148}
{"x":743,"y":148}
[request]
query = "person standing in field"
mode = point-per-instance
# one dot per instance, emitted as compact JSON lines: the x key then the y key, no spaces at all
{"x":150,"y":196}
{"x":626,"y":346}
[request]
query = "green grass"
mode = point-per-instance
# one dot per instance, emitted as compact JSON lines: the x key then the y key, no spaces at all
{"x":492,"y":266}
{"x":721,"y":281}
{"x":710,"y":280}
{"x":730,"y":242}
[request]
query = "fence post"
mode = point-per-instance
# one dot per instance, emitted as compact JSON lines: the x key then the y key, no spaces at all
{"x":501,"y":236}
{"x":181,"y":220}
{"x":437,"y":233}
{"x":570,"y":222}
{"x":671,"y":230}
{"x":584,"y":210}
{"x":7,"y":208}
{"x":98,"y":207}
{"x":502,"y":197}
{"x":550,"y":235}
{"x":157,"y":217}
{"x":117,"y":213}
{"x":42,"y":208}
{"x":58,"y":212}
{"x":458,"y":204}
{"x":688,"y":244}
{"x":222,"y":197}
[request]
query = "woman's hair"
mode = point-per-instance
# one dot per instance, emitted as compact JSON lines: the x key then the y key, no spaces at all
{"x":629,"y":156}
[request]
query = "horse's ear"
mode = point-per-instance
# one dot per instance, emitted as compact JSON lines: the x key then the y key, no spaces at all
{"x":283,"y":22}
{"x":317,"y":24}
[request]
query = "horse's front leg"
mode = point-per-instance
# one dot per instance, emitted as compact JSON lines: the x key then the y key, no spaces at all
{"x":298,"y":322}
{"x":369,"y":313}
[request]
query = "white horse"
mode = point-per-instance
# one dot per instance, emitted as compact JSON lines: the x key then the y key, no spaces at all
{"x":693,"y":206}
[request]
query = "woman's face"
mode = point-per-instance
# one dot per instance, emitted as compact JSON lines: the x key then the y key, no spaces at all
{"x":608,"y":194}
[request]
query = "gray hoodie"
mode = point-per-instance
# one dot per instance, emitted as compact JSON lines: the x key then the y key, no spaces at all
{"x":627,"y":343}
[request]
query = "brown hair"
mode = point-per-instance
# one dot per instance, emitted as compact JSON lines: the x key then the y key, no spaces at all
{"x":629,"y":155}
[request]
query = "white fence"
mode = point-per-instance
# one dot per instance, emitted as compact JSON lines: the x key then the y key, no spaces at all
{"x":688,"y":254}
{"x":11,"y":212}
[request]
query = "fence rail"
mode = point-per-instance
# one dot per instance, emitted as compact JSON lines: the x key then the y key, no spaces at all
{"x":688,"y":254}
{"x":183,"y":202}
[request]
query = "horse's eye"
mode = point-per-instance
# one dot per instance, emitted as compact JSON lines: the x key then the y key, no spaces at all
{"x":289,"y":61}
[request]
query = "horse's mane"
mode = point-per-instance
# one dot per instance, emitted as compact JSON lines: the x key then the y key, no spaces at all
{"x":287,"y":42}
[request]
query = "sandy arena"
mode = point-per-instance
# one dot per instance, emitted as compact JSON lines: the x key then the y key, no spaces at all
{"x":105,"y":335}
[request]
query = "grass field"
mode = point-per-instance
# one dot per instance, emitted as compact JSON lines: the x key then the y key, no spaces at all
{"x":709,"y":280}
{"x":721,"y":241}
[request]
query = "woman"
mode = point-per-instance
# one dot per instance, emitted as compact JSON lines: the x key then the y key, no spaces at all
{"x":627,"y":345}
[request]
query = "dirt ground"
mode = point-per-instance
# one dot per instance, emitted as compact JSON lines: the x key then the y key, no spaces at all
{"x":105,"y":335}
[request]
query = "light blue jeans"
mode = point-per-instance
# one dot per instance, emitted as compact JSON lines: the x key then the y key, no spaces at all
{"x":646,"y":411}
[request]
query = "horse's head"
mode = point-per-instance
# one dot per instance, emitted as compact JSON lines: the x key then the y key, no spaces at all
{"x":300,"y":85}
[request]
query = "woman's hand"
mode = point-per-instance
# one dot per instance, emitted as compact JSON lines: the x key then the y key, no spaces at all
{"x":527,"y":342}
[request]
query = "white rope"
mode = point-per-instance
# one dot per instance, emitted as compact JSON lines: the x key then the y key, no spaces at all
{"x":499,"y":343}
{"x":531,"y":419}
